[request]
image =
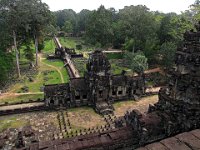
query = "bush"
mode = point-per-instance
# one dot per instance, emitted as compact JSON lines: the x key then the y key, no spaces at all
{"x":136,"y":61}
{"x":79,"y":46}
{"x":114,"y":55}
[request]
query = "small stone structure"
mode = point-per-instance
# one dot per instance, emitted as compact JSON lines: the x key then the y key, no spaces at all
{"x":61,"y":52}
{"x":98,"y":88}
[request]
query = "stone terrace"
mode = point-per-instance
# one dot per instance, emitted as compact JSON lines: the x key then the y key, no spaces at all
{"x":184,"y":141}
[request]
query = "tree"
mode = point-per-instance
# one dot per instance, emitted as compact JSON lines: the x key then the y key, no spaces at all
{"x":39,"y":17}
{"x":67,"y":27}
{"x":6,"y":65}
{"x":82,"y":18}
{"x":136,"y":61}
{"x":66,"y":15}
{"x":167,"y":54}
{"x":99,"y":27}
{"x":50,"y":31}
{"x":172,"y":27}
{"x":10,"y":11}
{"x":24,"y":19}
{"x":195,"y":11}
{"x":138,"y":25}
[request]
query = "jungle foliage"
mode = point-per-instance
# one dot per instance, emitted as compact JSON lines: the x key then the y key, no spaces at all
{"x":133,"y":28}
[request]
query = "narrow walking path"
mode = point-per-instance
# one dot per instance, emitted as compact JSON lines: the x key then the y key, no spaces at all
{"x":61,"y":76}
{"x":20,"y":106}
{"x":142,"y":105}
{"x":6,"y":95}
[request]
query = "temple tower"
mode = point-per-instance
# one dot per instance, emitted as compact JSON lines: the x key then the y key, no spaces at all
{"x":98,"y":77}
{"x":181,"y":97}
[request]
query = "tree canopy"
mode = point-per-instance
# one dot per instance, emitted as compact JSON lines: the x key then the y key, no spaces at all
{"x":22,"y":21}
{"x":136,"y":61}
{"x":133,"y":29}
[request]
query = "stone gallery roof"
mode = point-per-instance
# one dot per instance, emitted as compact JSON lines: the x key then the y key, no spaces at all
{"x":56,"y":88}
{"x":86,"y":141}
{"x":184,"y":141}
{"x":78,"y":84}
{"x":119,"y":80}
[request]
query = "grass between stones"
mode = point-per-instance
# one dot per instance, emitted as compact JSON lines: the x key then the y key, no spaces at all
{"x":11,"y":122}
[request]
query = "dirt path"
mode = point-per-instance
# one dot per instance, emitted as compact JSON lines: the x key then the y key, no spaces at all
{"x":152,"y":89}
{"x":6,"y":95}
{"x":21,"y":106}
{"x":154,"y":71}
{"x":141,"y":105}
{"x":51,"y":66}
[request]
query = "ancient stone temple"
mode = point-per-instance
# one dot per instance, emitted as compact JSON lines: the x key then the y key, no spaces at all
{"x":178,"y":108}
{"x":98,"y":88}
{"x":177,"y":111}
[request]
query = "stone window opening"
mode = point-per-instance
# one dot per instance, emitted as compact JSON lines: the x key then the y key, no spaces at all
{"x":68,"y":99}
{"x":51,"y":101}
{"x":100,"y":94}
{"x":134,"y":91}
{"x":77,"y":97}
{"x":127,"y":91}
{"x":119,"y":92}
{"x":60,"y":101}
{"x":113,"y":92}
{"x":84,"y":96}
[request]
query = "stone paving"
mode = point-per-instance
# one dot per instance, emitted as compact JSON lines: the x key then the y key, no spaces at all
{"x":184,"y":141}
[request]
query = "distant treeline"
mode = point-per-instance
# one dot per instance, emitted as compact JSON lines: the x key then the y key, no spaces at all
{"x":133,"y":28}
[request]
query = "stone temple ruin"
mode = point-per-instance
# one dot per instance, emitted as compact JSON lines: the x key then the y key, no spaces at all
{"x":177,"y":111}
{"x":98,"y":88}
{"x":178,"y":108}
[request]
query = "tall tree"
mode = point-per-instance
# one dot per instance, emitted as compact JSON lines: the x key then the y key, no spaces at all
{"x":138,"y":24}
{"x":39,"y":17}
{"x":195,"y":11}
{"x":12,"y":16}
{"x":66,"y":15}
{"x":172,"y":27}
{"x":67,"y":27}
{"x":82,"y":18}
{"x":99,"y":27}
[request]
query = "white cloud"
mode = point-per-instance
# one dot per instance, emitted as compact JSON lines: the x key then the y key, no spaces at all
{"x":160,"y":5}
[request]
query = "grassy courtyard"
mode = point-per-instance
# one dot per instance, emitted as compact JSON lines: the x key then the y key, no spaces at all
{"x":33,"y":81}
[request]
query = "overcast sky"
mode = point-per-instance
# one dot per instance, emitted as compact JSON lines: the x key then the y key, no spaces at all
{"x":160,"y":5}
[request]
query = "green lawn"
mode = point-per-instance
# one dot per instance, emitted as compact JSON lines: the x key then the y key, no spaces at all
{"x":49,"y":47}
{"x":60,"y":65}
{"x":117,"y":69}
{"x":46,"y":75}
{"x":11,"y":122}
{"x":72,"y":42}
{"x":48,"y":72}
{"x":67,"y":42}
